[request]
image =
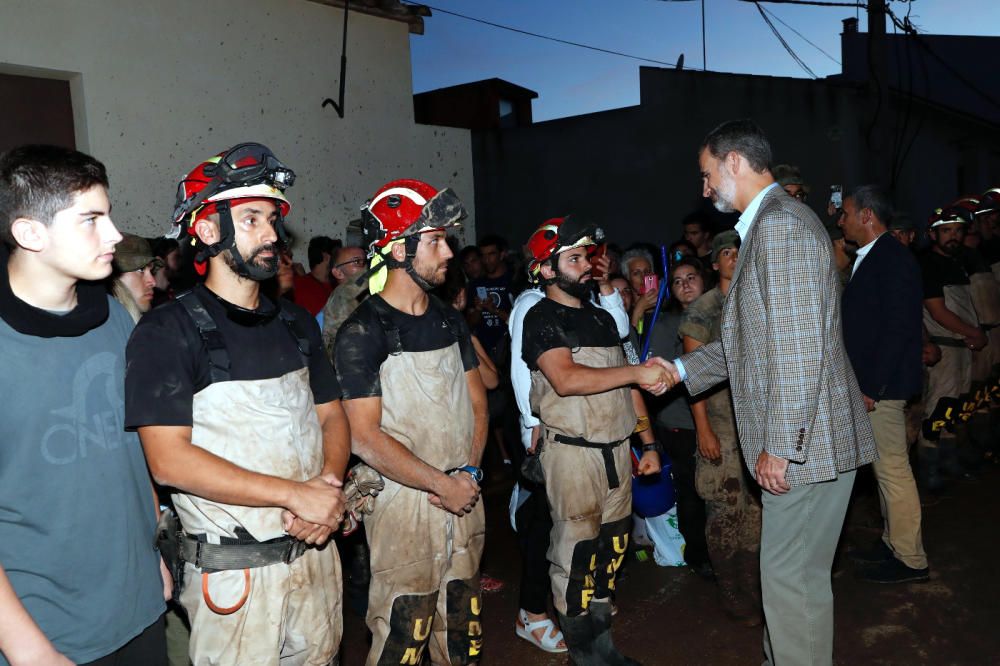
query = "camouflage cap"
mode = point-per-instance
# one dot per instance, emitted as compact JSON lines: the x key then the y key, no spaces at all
{"x":132,"y":253}
{"x":722,"y":240}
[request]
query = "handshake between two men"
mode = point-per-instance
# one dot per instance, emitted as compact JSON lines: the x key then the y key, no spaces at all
{"x":658,"y":376}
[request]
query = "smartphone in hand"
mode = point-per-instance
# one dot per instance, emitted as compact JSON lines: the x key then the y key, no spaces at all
{"x":481,"y":293}
{"x":837,"y":196}
{"x":650,"y":283}
{"x":595,"y":270}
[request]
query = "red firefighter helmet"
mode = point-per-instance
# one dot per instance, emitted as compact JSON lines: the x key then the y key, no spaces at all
{"x":407,"y":207}
{"x":246,"y":171}
{"x":989,"y":201}
{"x":558,"y":235}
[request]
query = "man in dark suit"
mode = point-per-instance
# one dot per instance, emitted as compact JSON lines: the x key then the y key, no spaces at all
{"x":802,"y":423}
{"x":882,"y":313}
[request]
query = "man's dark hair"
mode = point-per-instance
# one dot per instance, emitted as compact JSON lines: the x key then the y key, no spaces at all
{"x":875,"y":199}
{"x":466,"y":251}
{"x":162,"y":246}
{"x":38,"y":181}
{"x":696,"y":218}
{"x":318,"y":246}
{"x":493,"y":240}
{"x":743,"y":137}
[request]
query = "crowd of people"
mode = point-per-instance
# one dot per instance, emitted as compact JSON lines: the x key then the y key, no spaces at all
{"x":212,"y":450}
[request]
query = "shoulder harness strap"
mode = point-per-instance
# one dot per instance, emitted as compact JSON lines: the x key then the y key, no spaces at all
{"x":292,"y":324}
{"x":391,"y":330}
{"x":443,"y":309}
{"x":218,"y":355}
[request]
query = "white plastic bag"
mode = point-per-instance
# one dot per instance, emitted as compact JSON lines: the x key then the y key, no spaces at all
{"x":668,"y":544}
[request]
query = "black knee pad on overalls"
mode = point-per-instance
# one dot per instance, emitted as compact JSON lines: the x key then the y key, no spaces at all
{"x":580,"y":586}
{"x":410,"y":625}
{"x":465,"y":629}
{"x":943,"y":418}
{"x":612,"y":545}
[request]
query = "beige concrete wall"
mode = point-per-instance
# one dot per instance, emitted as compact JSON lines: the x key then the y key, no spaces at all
{"x":159,"y":85}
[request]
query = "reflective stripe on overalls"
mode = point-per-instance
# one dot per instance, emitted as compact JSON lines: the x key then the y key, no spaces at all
{"x":589,"y":489}
{"x":424,"y":593}
{"x":287,"y":611}
{"x":948,"y":381}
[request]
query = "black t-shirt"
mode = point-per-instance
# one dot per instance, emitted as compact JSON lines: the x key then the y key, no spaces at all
{"x":168,"y":360}
{"x":938,"y":272}
{"x":551,"y":325}
{"x":363,"y":344}
{"x":491,"y":327}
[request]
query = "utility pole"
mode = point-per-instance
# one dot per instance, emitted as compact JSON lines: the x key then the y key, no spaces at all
{"x":878,"y":126}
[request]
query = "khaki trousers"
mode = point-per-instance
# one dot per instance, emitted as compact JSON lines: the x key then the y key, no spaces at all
{"x":799,"y":538}
{"x":897,"y":489}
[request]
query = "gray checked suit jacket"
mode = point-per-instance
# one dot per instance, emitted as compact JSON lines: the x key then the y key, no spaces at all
{"x":794,"y":392}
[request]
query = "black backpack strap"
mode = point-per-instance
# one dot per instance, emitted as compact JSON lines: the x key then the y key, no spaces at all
{"x":292,"y":324}
{"x":391,"y":330}
{"x":218,"y":355}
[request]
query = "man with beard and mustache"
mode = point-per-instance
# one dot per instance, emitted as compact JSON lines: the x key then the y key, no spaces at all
{"x":580,"y":390}
{"x":802,"y":423}
{"x":952,"y":323}
{"x":417,"y":409}
{"x":239,"y":413}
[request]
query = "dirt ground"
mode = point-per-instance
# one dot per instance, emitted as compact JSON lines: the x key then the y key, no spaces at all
{"x":670,"y":616}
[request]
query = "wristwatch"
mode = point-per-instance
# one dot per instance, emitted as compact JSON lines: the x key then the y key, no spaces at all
{"x":653,"y":446}
{"x":475,"y":472}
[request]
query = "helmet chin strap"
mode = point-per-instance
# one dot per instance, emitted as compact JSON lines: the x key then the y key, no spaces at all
{"x":406,"y":264}
{"x":227,"y":241}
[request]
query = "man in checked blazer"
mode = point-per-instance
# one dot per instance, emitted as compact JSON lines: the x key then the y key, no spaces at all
{"x":802,"y":423}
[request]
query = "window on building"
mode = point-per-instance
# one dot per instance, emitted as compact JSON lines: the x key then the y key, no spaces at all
{"x":508,"y":116}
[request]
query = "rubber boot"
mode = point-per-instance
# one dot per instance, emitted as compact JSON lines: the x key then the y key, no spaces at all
{"x":578,"y":632}
{"x":604,"y":646}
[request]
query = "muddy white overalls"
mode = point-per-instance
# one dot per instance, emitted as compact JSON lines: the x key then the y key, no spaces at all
{"x":289,"y":610}
{"x":424,"y":593}
{"x":588,"y":479}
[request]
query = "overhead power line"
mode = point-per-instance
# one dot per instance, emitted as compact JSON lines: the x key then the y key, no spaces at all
{"x":803,"y":37}
{"x":540,"y":36}
{"x":781,"y":39}
{"x":814,"y":3}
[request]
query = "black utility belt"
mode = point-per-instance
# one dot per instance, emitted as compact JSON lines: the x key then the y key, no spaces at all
{"x":606,"y":449}
{"x":948,"y":342}
{"x":231,"y":556}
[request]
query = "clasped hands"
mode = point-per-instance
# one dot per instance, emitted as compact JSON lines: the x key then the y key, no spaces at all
{"x":658,"y":376}
{"x":315,"y":509}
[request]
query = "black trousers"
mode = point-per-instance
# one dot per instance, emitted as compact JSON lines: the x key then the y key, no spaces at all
{"x":148,"y":648}
{"x":682,"y":447}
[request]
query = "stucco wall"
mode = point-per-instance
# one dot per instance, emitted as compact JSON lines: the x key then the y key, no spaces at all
{"x":160,"y":85}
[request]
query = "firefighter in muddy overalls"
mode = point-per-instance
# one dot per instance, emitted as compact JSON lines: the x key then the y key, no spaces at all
{"x":238,"y":411}
{"x":417,"y":409}
{"x":985,"y":290}
{"x":580,"y":391}
{"x":952,"y":323}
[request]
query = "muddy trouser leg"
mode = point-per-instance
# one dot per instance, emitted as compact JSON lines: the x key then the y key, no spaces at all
{"x":612,"y":546}
{"x":732,"y":528}
{"x":417,"y":552}
{"x":292,"y":615}
{"x":946,"y":381}
{"x":458,"y":629}
{"x":978,"y":440}
{"x":577,"y":487}
{"x":405,"y":532}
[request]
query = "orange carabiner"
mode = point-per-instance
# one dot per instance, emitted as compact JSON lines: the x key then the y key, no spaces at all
{"x":231,"y":609}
